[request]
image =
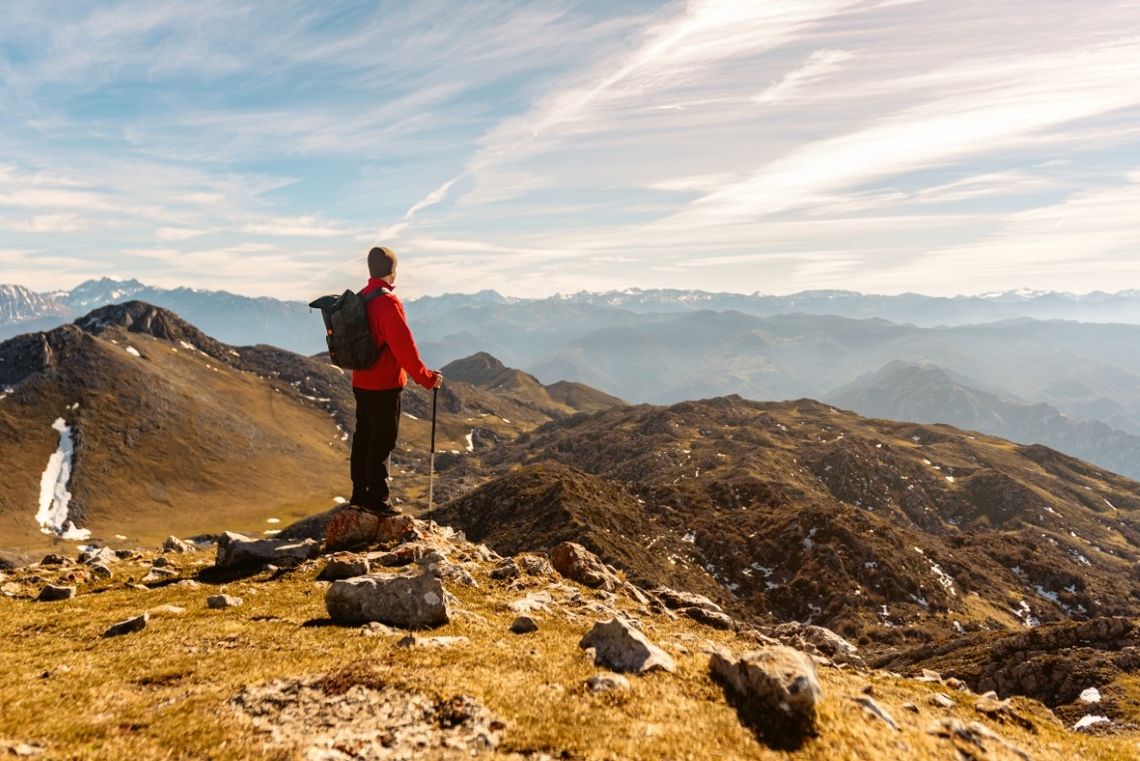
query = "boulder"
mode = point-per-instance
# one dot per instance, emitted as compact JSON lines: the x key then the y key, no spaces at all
{"x":101,"y":570}
{"x":506,"y":570}
{"x":53,"y":593}
{"x":397,"y":528}
{"x":406,"y":602}
{"x":579,"y":564}
{"x":174,"y":544}
{"x":136,"y":624}
{"x":237,"y":551}
{"x":344,"y":565}
{"x":218,"y":602}
{"x":676,"y":600}
{"x":54,"y":559}
{"x":157,"y":575}
{"x":619,"y":646}
{"x":534,"y":565}
{"x":814,"y":638}
{"x":775,"y":689}
{"x":713,"y":618}
{"x":524,"y":625}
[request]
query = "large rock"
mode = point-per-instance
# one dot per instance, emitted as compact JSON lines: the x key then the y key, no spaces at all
{"x":818,"y":638}
{"x":678,"y":600}
{"x":236,"y":551}
{"x":618,"y":646}
{"x":406,"y":602}
{"x":579,"y":564}
{"x":775,"y":689}
{"x":344,"y":565}
{"x":53,"y":593}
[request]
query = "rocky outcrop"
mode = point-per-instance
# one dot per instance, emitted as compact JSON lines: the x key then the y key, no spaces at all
{"x":619,"y":646}
{"x":775,"y":690}
{"x":344,"y":565}
{"x":579,"y":564}
{"x":406,"y":602}
{"x":238,"y":551}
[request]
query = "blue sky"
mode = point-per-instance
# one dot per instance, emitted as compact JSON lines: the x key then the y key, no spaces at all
{"x":773,"y":146}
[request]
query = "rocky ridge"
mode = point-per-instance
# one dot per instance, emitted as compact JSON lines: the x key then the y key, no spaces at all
{"x":376,"y":690}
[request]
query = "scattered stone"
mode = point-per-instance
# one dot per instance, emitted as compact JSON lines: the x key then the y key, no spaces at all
{"x":54,"y":559}
{"x":1090,"y":695}
{"x":375,"y":629}
{"x":532,"y":603}
{"x":101,"y":570}
{"x":871,"y":708}
{"x":607,"y":682}
{"x":911,"y":707}
{"x":524,"y":625}
{"x":677,"y":600}
{"x":506,"y":570}
{"x":579,"y":564}
{"x":406,"y":602}
{"x":713,"y":618}
{"x":619,"y":646}
{"x":161,"y":562}
{"x":219,"y":602}
{"x":968,"y":739}
{"x":636,"y":593}
{"x":157,"y":575}
{"x":174,"y":544}
{"x":1001,"y":710}
{"x":533,"y":564}
{"x":812,"y":638}
{"x":237,"y":551}
{"x":929,"y":676}
{"x":954,"y":683}
{"x":333,"y":718}
{"x":104,"y":555}
{"x":131,"y":625}
{"x":486,"y":554}
{"x":453,"y":572}
{"x":412,"y":640}
{"x":188,"y":584}
{"x":125,"y":554}
{"x":942,"y":700}
{"x":11,"y":589}
{"x":776,"y":690}
{"x":52,"y":593}
{"x":344,"y":565}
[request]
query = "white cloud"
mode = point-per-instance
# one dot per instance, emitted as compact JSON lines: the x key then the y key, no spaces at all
{"x":819,"y":65}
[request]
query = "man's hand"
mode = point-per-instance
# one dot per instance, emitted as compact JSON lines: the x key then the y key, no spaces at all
{"x":438,"y":379}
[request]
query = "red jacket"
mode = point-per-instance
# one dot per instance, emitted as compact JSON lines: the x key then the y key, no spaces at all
{"x":399,"y":355}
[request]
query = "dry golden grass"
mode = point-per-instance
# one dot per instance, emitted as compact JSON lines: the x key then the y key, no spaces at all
{"x":166,"y":692}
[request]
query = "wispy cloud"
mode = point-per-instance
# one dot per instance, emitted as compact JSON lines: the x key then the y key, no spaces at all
{"x":819,"y":65}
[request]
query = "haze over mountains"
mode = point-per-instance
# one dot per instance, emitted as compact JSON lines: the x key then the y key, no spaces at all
{"x":666,"y":346}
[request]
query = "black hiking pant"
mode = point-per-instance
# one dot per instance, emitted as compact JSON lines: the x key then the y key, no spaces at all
{"x":377,"y":425}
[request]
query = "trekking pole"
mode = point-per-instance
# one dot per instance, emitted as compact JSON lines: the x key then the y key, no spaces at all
{"x":431,"y":466}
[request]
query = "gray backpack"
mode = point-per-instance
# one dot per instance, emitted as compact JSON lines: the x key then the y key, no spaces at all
{"x":347,"y":330}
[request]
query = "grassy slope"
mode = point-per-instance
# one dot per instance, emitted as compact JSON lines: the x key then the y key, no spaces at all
{"x":166,"y":692}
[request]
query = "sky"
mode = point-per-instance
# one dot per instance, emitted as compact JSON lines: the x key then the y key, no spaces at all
{"x":540,"y":147}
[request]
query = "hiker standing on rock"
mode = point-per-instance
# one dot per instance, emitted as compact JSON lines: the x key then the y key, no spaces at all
{"x":377,"y":388}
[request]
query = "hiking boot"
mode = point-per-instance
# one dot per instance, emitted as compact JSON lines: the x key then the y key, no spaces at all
{"x":383,"y":510}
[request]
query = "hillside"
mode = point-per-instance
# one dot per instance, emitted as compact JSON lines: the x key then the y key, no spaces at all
{"x":156,"y":413}
{"x":891,"y":533}
{"x":272,"y":673}
{"x":928,"y":394}
{"x":485,"y":372}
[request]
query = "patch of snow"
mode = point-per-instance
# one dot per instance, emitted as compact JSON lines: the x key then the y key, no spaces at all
{"x":1110,"y":504}
{"x":319,"y":399}
{"x":1088,"y":721}
{"x":505,"y":420}
{"x":959,"y":628}
{"x":186,"y":345}
{"x":119,"y":536}
{"x":410,"y":415}
{"x":271,"y":531}
{"x":1091,"y":695}
{"x":133,"y":351}
{"x":471,"y":441}
{"x":808,"y":543}
{"x":272,"y":520}
{"x":689,"y":537}
{"x":762,"y":569}
{"x":1025,"y":615}
{"x":950,"y":479}
{"x":1043,"y":592}
{"x":54,"y":496}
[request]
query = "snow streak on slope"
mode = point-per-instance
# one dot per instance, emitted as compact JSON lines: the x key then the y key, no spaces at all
{"x":54,"y":496}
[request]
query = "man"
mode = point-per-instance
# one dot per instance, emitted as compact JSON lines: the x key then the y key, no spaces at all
{"x":377,"y":388}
